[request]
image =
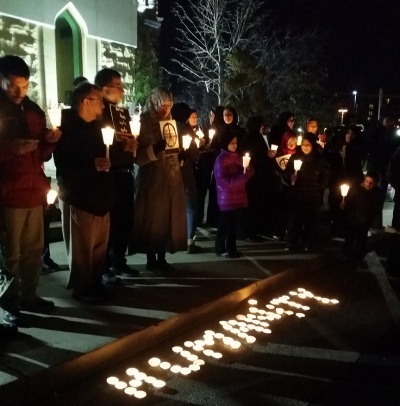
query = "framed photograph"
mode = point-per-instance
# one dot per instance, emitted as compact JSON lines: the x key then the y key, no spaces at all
{"x":120,"y":117}
{"x":169,"y":132}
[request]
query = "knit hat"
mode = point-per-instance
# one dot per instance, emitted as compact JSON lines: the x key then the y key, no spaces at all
{"x":181,"y":111}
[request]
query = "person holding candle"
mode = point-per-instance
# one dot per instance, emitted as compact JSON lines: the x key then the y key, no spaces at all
{"x":259,"y":217}
{"x":25,"y":144}
{"x":231,"y":182}
{"x":160,"y":212}
{"x":204,"y":174}
{"x":284,"y":125}
{"x":85,"y":189}
{"x":305,"y":191}
{"x":186,"y":120}
{"x":360,"y":205}
{"x":122,"y":160}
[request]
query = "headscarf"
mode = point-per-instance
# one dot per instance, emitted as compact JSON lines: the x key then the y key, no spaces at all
{"x":227,"y":135}
{"x":157,"y":97}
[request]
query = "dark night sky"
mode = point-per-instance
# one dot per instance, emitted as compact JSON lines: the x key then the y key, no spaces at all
{"x":363,"y":39}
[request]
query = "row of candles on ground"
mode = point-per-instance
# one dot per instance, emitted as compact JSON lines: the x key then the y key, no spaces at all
{"x":242,"y":328}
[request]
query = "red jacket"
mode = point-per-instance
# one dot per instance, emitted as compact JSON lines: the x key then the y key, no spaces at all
{"x":23,"y":183}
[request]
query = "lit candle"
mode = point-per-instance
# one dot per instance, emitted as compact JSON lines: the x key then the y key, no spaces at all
{"x":112,"y":380}
{"x":200,"y":134}
{"x":211,"y":133}
{"x":297,"y":165}
{"x":197,"y":141}
{"x":299,"y":139}
{"x":108,"y":138}
{"x":135,"y":129}
{"x":246,"y":161}
{"x":186,"y":140}
{"x":344,"y":190}
{"x":274,"y":147}
{"x":55,"y":116}
{"x":51,"y":196}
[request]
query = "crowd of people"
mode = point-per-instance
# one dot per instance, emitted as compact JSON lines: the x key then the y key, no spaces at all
{"x":251,"y":182}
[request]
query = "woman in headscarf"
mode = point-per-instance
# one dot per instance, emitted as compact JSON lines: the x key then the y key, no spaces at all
{"x":160,"y":212}
{"x":305,"y":191}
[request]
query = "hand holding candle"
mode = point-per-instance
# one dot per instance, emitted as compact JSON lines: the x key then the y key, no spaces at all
{"x":108,"y":138}
{"x":246,"y":161}
{"x":297,"y":165}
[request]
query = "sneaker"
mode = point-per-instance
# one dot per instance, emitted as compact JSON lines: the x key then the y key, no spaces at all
{"x":6,"y":279}
{"x":11,"y":317}
{"x":37,"y":304}
{"x":194,"y":249}
{"x":124,"y":270}
{"x":110,"y":279}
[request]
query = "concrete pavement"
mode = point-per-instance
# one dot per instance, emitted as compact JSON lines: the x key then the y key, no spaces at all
{"x":76,"y":340}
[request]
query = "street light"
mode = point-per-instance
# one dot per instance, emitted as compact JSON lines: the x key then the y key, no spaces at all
{"x":355,"y":98}
{"x":342,"y":111}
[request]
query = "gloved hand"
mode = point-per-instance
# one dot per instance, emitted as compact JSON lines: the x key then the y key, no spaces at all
{"x":182,"y":156}
{"x":159,"y":146}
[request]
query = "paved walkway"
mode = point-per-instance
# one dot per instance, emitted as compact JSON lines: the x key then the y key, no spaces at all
{"x":64,"y":343}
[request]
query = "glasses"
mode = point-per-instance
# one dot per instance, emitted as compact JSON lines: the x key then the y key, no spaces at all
{"x":94,"y":99}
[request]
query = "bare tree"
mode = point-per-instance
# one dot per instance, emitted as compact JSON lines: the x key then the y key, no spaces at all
{"x":209,"y":32}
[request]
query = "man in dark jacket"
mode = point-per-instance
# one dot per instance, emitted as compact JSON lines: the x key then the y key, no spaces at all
{"x":121,"y":156}
{"x":85,"y":187}
{"x":25,"y":144}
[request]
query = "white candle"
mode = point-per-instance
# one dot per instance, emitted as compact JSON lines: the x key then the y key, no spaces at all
{"x":211,"y":133}
{"x":200,"y":134}
{"x":108,"y":138}
{"x":299,"y":139}
{"x":55,"y":116}
{"x":51,"y":196}
{"x":186,"y":140}
{"x":297,"y":164}
{"x":197,"y":141}
{"x":274,"y":147}
{"x":246,"y":161}
{"x":344,"y":189}
{"x":135,"y":129}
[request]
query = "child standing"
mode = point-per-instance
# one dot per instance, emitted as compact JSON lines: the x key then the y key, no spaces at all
{"x":360,"y":206}
{"x":231,"y":191}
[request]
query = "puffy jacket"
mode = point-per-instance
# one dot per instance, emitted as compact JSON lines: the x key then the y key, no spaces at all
{"x":231,"y":181}
{"x":23,"y":183}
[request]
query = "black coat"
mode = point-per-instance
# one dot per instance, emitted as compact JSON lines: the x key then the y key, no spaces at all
{"x":312,"y":178}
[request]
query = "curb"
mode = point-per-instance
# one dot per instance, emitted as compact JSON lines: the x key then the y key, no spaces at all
{"x":27,"y":389}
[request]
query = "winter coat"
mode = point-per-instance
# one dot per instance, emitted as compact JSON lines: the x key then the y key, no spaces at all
{"x":160,"y":210}
{"x":80,"y":184}
{"x":312,"y":178}
{"x":231,"y":181}
{"x":23,"y":183}
{"x":362,"y":205}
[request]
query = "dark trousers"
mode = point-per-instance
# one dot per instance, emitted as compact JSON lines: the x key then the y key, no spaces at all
{"x":302,"y":222}
{"x":225,"y":240}
{"x":355,"y":241}
{"x":121,"y":218}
